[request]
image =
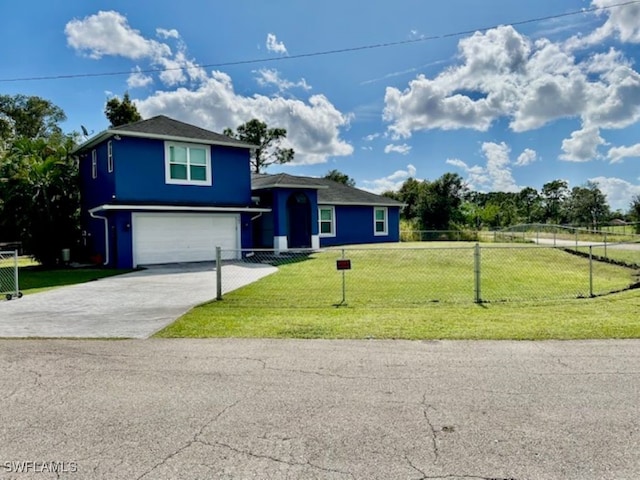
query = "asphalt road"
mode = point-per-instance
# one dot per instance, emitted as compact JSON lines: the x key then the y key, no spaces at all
{"x":267,"y":409}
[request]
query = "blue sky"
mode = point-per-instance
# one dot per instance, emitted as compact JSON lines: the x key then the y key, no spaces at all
{"x":516,"y":105}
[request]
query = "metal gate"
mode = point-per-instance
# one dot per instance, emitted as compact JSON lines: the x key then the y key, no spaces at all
{"x":9,"y":285}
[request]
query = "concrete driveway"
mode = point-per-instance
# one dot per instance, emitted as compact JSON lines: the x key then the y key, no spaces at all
{"x":339,"y":410}
{"x":134,"y":305}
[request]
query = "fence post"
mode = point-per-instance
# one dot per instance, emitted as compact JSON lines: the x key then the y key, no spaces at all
{"x":218,"y":273}
{"x":476,"y":273}
{"x":605,"y":244}
{"x":15,"y":273}
{"x":590,"y":271}
{"x":576,"y":230}
{"x":344,"y":284}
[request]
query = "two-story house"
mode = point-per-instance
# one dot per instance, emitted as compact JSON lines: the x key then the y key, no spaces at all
{"x":163,"y":191}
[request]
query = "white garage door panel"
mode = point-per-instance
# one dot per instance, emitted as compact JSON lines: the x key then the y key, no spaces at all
{"x":182,"y":237}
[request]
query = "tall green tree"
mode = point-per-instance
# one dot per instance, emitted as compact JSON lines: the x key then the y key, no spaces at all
{"x":529,"y":204}
{"x":39,"y":188}
{"x":121,"y":112}
{"x":440,"y":201}
{"x":338,"y":176}
{"x":587,"y":205}
{"x":28,"y":117}
{"x":268,"y":142}
{"x":634,"y":211}
{"x":554,"y":195}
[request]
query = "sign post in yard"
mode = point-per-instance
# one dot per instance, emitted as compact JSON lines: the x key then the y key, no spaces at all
{"x":343,"y":264}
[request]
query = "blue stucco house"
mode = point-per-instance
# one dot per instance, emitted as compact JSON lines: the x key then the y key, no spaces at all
{"x":163,"y":191}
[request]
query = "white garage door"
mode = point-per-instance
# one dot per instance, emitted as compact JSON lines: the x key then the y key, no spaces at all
{"x":183,"y":237}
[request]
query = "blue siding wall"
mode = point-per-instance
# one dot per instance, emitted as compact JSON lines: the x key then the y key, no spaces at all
{"x":140,"y":176}
{"x":99,"y":190}
{"x":280,"y":217}
{"x":354,"y":225}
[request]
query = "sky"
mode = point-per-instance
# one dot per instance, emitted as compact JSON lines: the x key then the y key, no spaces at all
{"x":507,"y":94}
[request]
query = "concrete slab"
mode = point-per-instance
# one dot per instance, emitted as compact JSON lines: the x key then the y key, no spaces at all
{"x":133,"y":305}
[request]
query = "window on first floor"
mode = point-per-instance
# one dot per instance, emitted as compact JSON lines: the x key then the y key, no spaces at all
{"x":327,"y":221}
{"x":187,"y":164}
{"x":380,"y":221}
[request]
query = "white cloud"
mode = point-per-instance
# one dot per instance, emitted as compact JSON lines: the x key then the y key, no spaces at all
{"x":502,"y":74}
{"x":622,"y":23}
{"x":619,"y":192}
{"x":371,"y":137}
{"x":273,"y":45}
{"x":138,"y":79}
{"x":527,"y":157}
{"x":391,"y":182}
{"x":495,"y":175}
{"x":618,"y":154}
{"x":403,"y":149}
{"x":271,"y":76}
{"x":109,"y":33}
{"x":313,"y":127}
{"x":582,"y":146}
{"x":164,"y":33}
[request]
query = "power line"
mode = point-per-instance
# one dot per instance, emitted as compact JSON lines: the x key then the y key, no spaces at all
{"x":321,"y":53}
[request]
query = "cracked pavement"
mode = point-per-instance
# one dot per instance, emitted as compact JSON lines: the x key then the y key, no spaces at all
{"x":287,"y":409}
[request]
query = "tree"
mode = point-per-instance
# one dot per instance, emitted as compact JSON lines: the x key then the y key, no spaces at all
{"x":121,"y":112}
{"x":587,"y":205}
{"x":440,"y":201}
{"x":268,"y":142}
{"x":39,"y":185}
{"x":340,"y":177}
{"x":28,"y":117}
{"x":554,"y":194}
{"x":529,"y":204}
{"x":634,"y":211}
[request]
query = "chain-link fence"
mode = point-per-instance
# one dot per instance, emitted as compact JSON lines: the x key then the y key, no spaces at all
{"x":413,"y":277}
{"x":9,"y":275}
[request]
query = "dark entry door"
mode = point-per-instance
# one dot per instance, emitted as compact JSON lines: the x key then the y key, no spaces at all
{"x":299,"y":215}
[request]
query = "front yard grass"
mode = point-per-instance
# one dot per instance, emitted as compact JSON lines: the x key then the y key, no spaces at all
{"x":416,"y":294}
{"x":37,"y":279}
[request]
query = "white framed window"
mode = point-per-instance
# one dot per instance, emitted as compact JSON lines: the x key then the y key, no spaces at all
{"x":380,"y":221}
{"x":187,"y":163}
{"x":94,"y":163}
{"x":109,"y":156}
{"x":327,"y":221}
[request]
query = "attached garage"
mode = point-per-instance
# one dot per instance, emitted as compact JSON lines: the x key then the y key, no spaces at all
{"x":162,"y":237}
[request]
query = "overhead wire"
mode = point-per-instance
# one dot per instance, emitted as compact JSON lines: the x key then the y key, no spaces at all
{"x":323,"y":52}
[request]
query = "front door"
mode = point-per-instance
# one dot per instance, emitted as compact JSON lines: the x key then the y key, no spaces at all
{"x":299,"y":225}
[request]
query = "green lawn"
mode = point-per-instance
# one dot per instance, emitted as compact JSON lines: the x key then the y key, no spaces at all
{"x":415,"y":293}
{"x":37,"y":279}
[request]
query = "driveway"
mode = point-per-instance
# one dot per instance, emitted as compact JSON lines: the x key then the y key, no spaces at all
{"x":338,"y":410}
{"x":134,"y":305}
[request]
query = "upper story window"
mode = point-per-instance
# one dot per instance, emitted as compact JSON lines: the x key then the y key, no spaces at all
{"x":327,"y":221}
{"x":380,"y":221}
{"x":187,"y":164}
{"x":109,"y":156}
{"x":94,"y":163}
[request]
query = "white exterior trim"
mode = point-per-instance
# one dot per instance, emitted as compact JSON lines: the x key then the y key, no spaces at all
{"x":179,"y":208}
{"x":333,"y":221}
{"x":207,"y":182}
{"x":280,"y":243}
{"x":363,"y":204}
{"x":386,"y":222}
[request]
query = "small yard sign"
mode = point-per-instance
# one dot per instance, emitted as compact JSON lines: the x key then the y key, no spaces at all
{"x":343,"y":264}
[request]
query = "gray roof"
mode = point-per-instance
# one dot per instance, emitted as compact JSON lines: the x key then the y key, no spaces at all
{"x":329,"y":192}
{"x":165,"y":128}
